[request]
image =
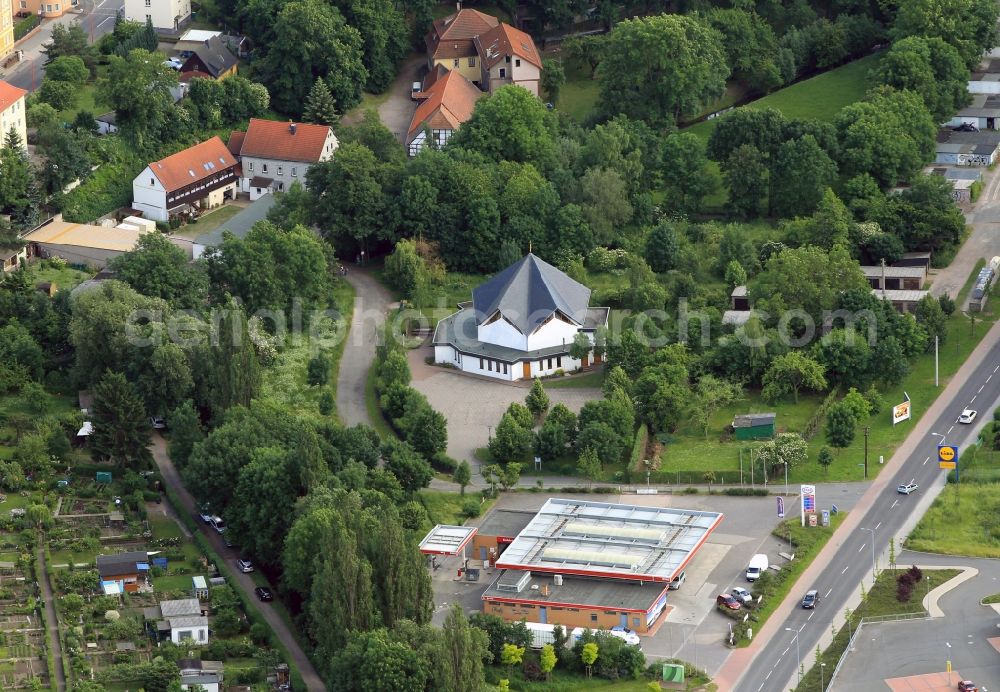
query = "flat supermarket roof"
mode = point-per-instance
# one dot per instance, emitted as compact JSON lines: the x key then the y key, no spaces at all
{"x":601,"y":539}
{"x":447,"y":540}
{"x":505,"y":522}
{"x":612,"y":594}
{"x":84,"y":235}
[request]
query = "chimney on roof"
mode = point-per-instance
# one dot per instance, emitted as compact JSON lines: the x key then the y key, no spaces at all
{"x":291,"y":127}
{"x":458,"y":6}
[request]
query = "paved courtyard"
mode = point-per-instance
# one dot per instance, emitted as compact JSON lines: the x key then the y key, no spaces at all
{"x":474,"y":405}
{"x":914,"y":655}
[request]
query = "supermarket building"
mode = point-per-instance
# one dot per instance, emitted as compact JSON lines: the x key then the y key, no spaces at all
{"x":579,"y":563}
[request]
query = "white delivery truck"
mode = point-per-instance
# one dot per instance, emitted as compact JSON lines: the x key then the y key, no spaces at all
{"x":628,"y":636}
{"x":758,"y":565}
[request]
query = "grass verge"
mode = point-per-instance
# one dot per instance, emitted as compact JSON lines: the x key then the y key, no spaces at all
{"x":962,"y":521}
{"x":446,"y":508}
{"x":375,"y":415}
{"x":880,"y":601}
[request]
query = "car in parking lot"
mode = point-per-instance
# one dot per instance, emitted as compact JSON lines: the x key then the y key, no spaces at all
{"x":967,"y":686}
{"x":227,"y":540}
{"x":677,"y":582}
{"x":264,"y":593}
{"x":741,"y":594}
{"x":173,"y":63}
{"x":245,"y":565}
{"x":907,"y":488}
{"x":728,"y":601}
{"x":810,"y":600}
{"x":968,"y":415}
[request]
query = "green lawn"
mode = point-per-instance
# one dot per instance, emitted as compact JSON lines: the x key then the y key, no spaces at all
{"x":208,"y":222}
{"x":445,"y":508}
{"x":590,"y":380}
{"x":285,"y":381}
{"x":964,"y":520}
{"x":164,"y":527}
{"x":578,"y":96}
{"x":817,"y":98}
{"x":85,"y":101}
{"x":880,"y":601}
{"x":63,"y":277}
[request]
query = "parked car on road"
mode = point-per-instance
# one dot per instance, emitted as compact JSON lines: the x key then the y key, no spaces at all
{"x":727,"y":601}
{"x":245,"y":565}
{"x":264,"y":593}
{"x":907,"y":488}
{"x":218,"y":524}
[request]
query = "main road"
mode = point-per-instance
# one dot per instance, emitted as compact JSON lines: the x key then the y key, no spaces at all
{"x":790,"y":639}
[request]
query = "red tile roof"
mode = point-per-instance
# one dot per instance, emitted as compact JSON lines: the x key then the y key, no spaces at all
{"x":504,"y":40}
{"x":273,"y":139}
{"x":195,"y":163}
{"x":9,"y":94}
{"x":235,"y":142}
{"x":449,"y":103}
{"x":451,"y":37}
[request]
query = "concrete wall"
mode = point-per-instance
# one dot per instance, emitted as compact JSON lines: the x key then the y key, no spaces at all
{"x":74,"y":254}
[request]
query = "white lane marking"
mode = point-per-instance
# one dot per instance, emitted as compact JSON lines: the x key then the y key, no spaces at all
{"x":973,"y":399}
{"x":996,"y":368}
{"x":878,"y":525}
{"x":950,"y":429}
{"x":786,"y":650}
{"x":894,"y":504}
{"x":861,"y":548}
{"x":761,"y":686}
{"x":925,"y":461}
{"x":814,"y":612}
{"x":989,"y":378}
{"x":104,"y":21}
{"x":831,"y":590}
{"x":769,"y":674}
{"x":843,"y":570}
{"x":803,"y":627}
{"x":980,"y":389}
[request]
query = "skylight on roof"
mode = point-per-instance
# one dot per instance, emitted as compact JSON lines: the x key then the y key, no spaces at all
{"x":191,"y":172}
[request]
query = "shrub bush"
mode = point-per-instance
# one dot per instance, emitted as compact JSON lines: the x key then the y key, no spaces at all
{"x":903,"y":592}
{"x":745,"y":492}
{"x":471,"y":507}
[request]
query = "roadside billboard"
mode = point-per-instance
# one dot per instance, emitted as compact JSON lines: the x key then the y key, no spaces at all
{"x":901,"y":412}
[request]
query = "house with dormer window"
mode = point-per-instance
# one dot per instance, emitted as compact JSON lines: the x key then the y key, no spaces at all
{"x":200,"y":177}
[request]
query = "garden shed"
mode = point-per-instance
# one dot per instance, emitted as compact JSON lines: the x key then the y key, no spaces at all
{"x":754,"y":426}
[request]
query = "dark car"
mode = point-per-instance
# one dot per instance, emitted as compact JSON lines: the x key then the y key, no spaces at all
{"x":810,"y":599}
{"x":727,"y":601}
{"x":967,"y":686}
{"x":263,"y":593}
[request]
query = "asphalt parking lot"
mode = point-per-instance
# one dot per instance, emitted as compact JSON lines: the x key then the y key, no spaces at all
{"x":691,"y":629}
{"x":967,"y":635}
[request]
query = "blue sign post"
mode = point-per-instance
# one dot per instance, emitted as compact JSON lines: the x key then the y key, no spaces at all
{"x":948,"y":458}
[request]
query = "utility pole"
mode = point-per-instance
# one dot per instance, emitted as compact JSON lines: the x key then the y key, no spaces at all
{"x":867,"y":430}
{"x":936,"y":361}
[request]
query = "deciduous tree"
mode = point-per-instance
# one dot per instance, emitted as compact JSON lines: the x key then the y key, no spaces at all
{"x":791,"y":372}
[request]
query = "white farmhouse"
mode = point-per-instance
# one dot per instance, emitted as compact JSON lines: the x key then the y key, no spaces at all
{"x":167,"y":15}
{"x":275,"y":154}
{"x":520,"y":324}
{"x":197,"y":178}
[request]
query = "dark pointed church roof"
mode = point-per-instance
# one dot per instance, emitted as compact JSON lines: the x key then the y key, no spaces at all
{"x":528,"y":292}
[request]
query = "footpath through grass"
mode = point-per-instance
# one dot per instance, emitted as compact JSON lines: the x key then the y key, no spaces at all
{"x":880,"y":601}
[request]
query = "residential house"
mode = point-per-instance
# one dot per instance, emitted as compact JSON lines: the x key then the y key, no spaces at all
{"x":6,"y":28}
{"x":79,"y":243}
{"x":211,"y":58}
{"x":239,"y":225}
{"x":124,"y":572}
{"x":275,"y":154}
{"x":166,"y":15}
{"x":484,"y":50}
{"x":447,"y":100}
{"x":208,"y":674}
{"x":520,"y":324}
{"x":46,"y":9}
{"x":12,"y":112}
{"x":200,"y":177}
{"x":451,"y":42}
{"x":508,"y":56}
{"x":182,"y":620}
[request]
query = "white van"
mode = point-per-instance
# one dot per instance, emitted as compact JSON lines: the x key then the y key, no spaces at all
{"x":758,"y":565}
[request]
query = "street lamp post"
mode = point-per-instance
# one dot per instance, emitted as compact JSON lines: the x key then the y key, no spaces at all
{"x":798,"y":660}
{"x":822,"y":679}
{"x":872,"y":531}
{"x":786,"y":477}
{"x":867,"y":430}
